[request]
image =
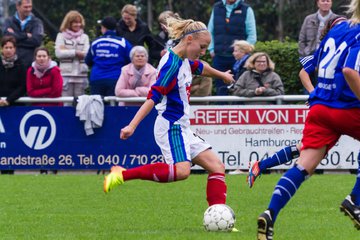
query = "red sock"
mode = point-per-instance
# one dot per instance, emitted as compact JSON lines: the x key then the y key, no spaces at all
{"x":158,"y":172}
{"x":216,"y":189}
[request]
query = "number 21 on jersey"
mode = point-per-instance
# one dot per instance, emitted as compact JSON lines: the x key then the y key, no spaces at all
{"x":328,"y":64}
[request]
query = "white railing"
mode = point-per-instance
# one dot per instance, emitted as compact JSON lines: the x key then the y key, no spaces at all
{"x":281,"y":99}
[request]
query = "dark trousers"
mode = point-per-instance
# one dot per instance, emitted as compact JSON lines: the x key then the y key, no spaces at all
{"x":223,"y":64}
{"x":103,"y":88}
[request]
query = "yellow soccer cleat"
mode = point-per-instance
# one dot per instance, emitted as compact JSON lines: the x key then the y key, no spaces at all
{"x":114,"y":178}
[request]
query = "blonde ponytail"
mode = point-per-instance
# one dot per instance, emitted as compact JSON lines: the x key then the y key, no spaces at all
{"x":179,"y":28}
{"x":354,"y":10}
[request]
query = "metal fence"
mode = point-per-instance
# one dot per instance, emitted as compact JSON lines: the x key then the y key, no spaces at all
{"x":112,"y":100}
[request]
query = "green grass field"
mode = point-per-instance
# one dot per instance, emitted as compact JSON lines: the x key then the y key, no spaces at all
{"x":74,"y":207}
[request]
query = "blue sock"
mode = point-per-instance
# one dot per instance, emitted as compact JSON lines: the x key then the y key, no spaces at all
{"x":286,"y":188}
{"x":284,"y":155}
{"x":355,"y":194}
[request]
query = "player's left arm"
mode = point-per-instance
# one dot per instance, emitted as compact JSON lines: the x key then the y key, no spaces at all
{"x":309,"y":64}
{"x":353,"y":79}
{"x":144,"y":110}
{"x":351,"y":70}
{"x":306,"y":81}
{"x":209,"y":71}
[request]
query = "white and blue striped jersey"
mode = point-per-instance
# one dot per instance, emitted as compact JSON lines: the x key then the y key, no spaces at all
{"x":171,"y":91}
{"x":332,"y":89}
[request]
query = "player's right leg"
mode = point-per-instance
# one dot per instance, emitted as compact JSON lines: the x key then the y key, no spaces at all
{"x":157,"y":172}
{"x":114,"y":178}
{"x":202,"y":155}
{"x":351,"y":205}
{"x":265,"y":226}
{"x":216,"y":186}
{"x":351,"y":210}
{"x":286,"y":188}
{"x":174,"y":144}
{"x":284,"y":155}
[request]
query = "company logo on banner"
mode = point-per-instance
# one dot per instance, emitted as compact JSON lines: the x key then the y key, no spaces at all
{"x":35,"y":137}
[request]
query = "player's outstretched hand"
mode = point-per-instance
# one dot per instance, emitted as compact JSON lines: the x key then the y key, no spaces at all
{"x":126,"y":132}
{"x":228,"y":78}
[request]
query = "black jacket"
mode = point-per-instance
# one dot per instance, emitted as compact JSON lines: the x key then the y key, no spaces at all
{"x":25,"y":45}
{"x":139,"y":36}
{"x":13,"y":81}
{"x":161,"y":42}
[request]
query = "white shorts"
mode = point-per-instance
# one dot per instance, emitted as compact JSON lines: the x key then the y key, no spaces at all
{"x":177,"y":144}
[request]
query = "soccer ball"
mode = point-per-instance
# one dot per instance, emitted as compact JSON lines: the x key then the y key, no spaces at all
{"x":219,"y":217}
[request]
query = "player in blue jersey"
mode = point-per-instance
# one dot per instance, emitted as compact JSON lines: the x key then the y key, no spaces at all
{"x":334,"y":111}
{"x":170,"y":94}
{"x":292,"y":152}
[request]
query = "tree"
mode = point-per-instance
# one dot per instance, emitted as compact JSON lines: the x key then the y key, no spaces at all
{"x":286,"y":15}
{"x":275,"y":19}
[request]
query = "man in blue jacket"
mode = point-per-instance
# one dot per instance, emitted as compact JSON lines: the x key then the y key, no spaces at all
{"x":107,"y":55}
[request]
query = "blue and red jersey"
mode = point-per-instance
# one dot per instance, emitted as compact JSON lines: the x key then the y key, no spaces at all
{"x":171,"y":91}
{"x":331,"y":57}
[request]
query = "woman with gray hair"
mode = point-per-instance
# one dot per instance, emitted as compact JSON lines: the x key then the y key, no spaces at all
{"x":136,"y":77}
{"x":259,"y":79}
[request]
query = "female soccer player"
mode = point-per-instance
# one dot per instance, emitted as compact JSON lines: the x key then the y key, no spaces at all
{"x":334,"y":111}
{"x":292,"y":152}
{"x":179,"y":145}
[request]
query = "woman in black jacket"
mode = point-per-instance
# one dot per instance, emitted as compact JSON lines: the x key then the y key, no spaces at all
{"x":12,"y":73}
{"x":133,"y":29}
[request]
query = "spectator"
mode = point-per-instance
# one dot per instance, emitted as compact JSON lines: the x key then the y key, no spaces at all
{"x":71,"y":47}
{"x":27,"y":29}
{"x":162,"y":42}
{"x":43,"y":79}
{"x":12,"y":73}
{"x":107,"y":55}
{"x":201,"y":86}
{"x":229,"y":20}
{"x":260,"y":78}
{"x":133,"y":29}
{"x":311,"y":29}
{"x":241,"y":53}
{"x":137,"y":77}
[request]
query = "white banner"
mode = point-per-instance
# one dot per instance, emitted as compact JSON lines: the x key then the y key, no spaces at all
{"x":240,"y":133}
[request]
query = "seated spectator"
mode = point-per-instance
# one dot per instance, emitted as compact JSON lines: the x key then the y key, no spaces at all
{"x":162,"y":42}
{"x":71,"y":47}
{"x":259,"y":79}
{"x":201,"y":86}
{"x":137,"y":77}
{"x":12,"y":73}
{"x":43,"y":79}
{"x":107,"y":55}
{"x":241,"y":53}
